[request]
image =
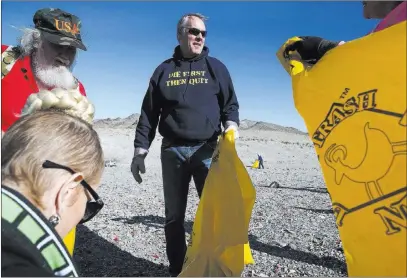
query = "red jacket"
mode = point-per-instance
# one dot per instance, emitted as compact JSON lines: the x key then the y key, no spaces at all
{"x":16,"y":86}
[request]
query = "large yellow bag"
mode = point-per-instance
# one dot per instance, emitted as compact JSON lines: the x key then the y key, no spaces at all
{"x":69,"y":241}
{"x":219,"y":243}
{"x":353,"y":102}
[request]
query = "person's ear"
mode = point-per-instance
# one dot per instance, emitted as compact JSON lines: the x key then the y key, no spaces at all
{"x":70,"y":192}
{"x":179,"y":35}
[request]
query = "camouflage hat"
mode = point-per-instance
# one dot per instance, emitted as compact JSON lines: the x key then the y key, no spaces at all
{"x":59,"y":27}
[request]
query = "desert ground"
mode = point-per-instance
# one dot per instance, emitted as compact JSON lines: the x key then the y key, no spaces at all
{"x":292,"y":229}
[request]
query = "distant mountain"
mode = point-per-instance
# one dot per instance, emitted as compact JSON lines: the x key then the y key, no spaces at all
{"x":253,"y":125}
{"x":132,"y":120}
{"x":128,"y":122}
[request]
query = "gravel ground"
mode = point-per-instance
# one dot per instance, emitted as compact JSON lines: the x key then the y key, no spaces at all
{"x":292,"y":230}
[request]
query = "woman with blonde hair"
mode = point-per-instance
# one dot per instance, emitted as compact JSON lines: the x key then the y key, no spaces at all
{"x":51,"y":164}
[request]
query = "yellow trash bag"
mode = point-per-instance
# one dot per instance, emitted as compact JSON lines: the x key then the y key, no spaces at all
{"x":353,"y":102}
{"x":219,"y":243}
{"x":69,"y":241}
{"x":256,"y":164}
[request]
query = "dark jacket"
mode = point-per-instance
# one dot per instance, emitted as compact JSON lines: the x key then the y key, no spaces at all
{"x":189,"y":98}
{"x":30,"y":246}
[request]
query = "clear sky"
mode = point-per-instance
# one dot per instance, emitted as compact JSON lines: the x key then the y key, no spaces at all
{"x":127,"y":40}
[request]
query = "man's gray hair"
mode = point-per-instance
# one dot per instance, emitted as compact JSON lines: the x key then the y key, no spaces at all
{"x":184,"y":19}
{"x":29,"y":41}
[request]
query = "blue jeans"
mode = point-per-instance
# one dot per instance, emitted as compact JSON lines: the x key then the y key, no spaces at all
{"x":179,"y":165}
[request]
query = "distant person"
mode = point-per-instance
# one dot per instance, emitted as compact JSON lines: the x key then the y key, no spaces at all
{"x":260,"y":159}
{"x":43,"y":60}
{"x":190,"y":95}
{"x":51,"y":164}
{"x":311,"y":49}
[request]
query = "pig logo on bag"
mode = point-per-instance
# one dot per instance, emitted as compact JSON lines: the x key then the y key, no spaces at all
{"x":360,"y":171}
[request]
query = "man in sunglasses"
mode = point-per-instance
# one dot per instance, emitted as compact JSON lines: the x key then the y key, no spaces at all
{"x":190,"y":95}
{"x":311,"y":49}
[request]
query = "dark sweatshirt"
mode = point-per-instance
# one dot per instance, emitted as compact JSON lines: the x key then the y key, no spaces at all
{"x":189,"y":98}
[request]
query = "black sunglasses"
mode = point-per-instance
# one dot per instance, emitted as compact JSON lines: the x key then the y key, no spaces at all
{"x":92,"y":207}
{"x":196,"y":32}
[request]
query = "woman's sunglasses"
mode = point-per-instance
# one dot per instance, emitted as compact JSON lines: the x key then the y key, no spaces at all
{"x":92,"y":207}
{"x":196,"y":32}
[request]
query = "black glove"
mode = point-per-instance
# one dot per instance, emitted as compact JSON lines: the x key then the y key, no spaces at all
{"x":311,"y":49}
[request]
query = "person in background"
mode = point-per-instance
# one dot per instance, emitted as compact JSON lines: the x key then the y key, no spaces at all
{"x":260,"y":158}
{"x":190,"y":95}
{"x":51,"y":164}
{"x":43,"y":60}
{"x":311,"y":49}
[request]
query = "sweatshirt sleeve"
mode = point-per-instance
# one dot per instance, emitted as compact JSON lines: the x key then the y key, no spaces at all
{"x":326,"y":45}
{"x":230,"y":109}
{"x":149,"y":116}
